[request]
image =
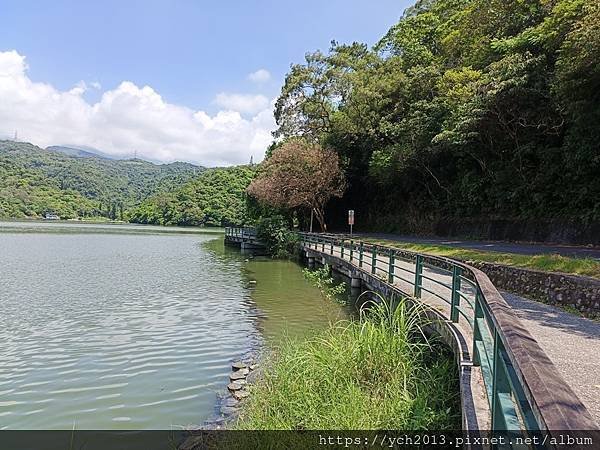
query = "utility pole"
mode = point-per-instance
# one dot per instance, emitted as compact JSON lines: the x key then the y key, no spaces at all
{"x":16,"y":135}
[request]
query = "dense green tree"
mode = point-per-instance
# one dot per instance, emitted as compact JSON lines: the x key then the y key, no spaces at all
{"x":470,"y":108}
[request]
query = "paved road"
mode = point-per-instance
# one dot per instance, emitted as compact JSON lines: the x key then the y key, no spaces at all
{"x":496,"y":246}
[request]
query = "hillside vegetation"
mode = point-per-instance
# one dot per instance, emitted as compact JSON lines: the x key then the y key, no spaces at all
{"x":215,"y":198}
{"x":34,"y":181}
{"x":464,"y":108}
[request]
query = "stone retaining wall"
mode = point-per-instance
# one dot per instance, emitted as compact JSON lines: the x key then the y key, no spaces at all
{"x":582,"y":293}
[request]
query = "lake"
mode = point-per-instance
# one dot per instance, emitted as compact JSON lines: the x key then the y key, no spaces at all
{"x":135,"y":327}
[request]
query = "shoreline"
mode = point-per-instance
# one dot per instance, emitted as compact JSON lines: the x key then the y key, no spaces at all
{"x":76,"y":226}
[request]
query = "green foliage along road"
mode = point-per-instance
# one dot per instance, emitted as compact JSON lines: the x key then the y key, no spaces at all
{"x":470,"y":108}
{"x":34,"y":181}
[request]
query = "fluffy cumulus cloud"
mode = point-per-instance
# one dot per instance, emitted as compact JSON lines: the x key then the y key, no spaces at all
{"x":132,"y":118}
{"x":260,"y":76}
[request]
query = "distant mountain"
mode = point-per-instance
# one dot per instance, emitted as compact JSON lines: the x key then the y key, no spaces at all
{"x":70,"y":183}
{"x":79,"y":152}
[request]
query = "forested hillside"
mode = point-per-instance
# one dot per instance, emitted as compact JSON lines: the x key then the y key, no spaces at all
{"x":215,"y":198}
{"x":465,"y":108}
{"x":34,"y":182}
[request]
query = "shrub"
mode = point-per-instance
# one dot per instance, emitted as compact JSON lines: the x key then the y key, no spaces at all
{"x":275,"y":233}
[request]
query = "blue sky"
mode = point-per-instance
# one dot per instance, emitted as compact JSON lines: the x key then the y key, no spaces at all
{"x":192,"y":55}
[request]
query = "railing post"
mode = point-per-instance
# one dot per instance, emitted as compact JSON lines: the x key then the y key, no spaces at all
{"x":360,"y":255}
{"x":351,"y":249}
{"x":476,"y":331}
{"x":323,"y":246}
{"x":374,"y":260}
{"x":391,"y":259}
{"x":456,"y":271}
{"x":418,"y":276}
{"x":494,"y":400}
{"x":331,"y":249}
{"x":342,"y":249}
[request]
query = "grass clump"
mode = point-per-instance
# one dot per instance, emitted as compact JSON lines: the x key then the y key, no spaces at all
{"x":545,"y":262}
{"x":378,"y":372}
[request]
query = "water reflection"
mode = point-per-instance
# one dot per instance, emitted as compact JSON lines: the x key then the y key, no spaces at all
{"x":286,"y":303}
{"x":105,"y":330}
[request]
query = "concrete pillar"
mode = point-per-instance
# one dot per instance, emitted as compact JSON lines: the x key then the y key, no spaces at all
{"x":311,"y":262}
{"x":355,"y":293}
{"x":355,"y":282}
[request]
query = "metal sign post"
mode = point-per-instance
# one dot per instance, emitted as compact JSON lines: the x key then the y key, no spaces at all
{"x":350,"y":219}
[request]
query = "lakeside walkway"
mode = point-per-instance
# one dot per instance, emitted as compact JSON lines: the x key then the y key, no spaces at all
{"x":571,"y":342}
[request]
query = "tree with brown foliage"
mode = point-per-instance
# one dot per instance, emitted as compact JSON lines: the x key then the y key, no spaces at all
{"x":300,"y":174}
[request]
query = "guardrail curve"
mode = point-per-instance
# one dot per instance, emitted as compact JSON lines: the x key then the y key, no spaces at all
{"x":524,"y":389}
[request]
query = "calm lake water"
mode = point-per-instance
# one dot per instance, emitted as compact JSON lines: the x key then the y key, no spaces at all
{"x":134,"y":327}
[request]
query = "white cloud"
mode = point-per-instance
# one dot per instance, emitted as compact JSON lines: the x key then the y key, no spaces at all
{"x":131,"y":118}
{"x":96,"y":85}
{"x":260,"y":76}
{"x":79,"y":88}
{"x":244,"y":103}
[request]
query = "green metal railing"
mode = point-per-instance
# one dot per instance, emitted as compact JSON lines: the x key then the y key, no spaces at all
{"x":458,"y":285}
{"x":240,"y":232}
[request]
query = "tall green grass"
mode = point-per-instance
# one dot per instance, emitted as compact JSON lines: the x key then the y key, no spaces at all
{"x":376,"y":372}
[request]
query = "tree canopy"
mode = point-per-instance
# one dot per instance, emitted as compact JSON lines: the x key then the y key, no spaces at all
{"x":469,"y":108}
{"x":300,"y":174}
